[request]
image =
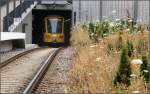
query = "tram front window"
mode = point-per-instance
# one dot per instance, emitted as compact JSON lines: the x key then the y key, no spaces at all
{"x":54,"y":25}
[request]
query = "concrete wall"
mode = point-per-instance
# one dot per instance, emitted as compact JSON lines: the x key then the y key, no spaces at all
{"x":28,"y":28}
{"x":90,"y":10}
{"x":11,"y":44}
{"x":3,"y":14}
{"x":20,"y":28}
{"x":5,"y":46}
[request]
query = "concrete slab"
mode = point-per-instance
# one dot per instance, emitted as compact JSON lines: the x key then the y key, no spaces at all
{"x":11,"y":36}
{"x":10,"y":40}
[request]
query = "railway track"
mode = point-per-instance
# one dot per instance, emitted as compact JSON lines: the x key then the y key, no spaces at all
{"x":4,"y":63}
{"x":18,"y":72}
{"x":40,"y":73}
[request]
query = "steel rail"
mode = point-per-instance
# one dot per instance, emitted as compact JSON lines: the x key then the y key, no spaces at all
{"x":4,"y":63}
{"x":40,"y":73}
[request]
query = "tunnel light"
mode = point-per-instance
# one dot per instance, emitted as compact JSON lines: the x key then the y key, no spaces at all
{"x":54,"y":2}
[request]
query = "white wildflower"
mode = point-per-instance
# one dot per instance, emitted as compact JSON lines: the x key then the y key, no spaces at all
{"x":90,"y":74}
{"x":136,"y":61}
{"x":128,"y":29}
{"x":135,"y":92}
{"x":102,"y":47}
{"x":92,"y":46}
{"x":98,"y":59}
{"x":111,"y":24}
{"x":134,"y":50}
{"x":118,"y":24}
{"x":114,"y":11}
{"x":105,"y":34}
{"x":130,"y":20}
{"x":136,"y":26}
{"x":100,"y":39}
{"x":92,"y":34}
{"x":133,"y":75}
{"x":117,"y":19}
{"x":146,"y":71}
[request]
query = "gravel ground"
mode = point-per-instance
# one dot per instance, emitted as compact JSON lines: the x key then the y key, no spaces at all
{"x":16,"y":75}
{"x":55,"y":79}
{"x":6,"y":55}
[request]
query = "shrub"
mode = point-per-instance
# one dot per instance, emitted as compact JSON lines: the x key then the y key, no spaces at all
{"x":92,"y":32}
{"x":130,"y":48}
{"x":105,"y":27}
{"x":124,"y":71}
{"x":91,"y":29}
{"x":99,"y":30}
{"x":144,"y":68}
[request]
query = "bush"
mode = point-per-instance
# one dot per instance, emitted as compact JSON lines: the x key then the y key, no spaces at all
{"x":130,"y":48}
{"x":124,"y":72}
{"x":105,"y":27}
{"x":92,"y":32}
{"x":99,"y":30}
{"x":144,"y":68}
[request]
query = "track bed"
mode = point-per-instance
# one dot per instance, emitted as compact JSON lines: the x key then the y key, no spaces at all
{"x":16,"y":75}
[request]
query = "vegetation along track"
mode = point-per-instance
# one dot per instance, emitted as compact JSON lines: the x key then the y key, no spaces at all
{"x":16,"y":75}
{"x":4,"y":63}
{"x":40,"y":73}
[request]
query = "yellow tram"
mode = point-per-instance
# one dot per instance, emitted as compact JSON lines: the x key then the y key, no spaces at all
{"x":54,"y":29}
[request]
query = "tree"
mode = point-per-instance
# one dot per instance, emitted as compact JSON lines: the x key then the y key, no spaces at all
{"x":130,"y":48}
{"x":144,"y":68}
{"x":124,"y":72}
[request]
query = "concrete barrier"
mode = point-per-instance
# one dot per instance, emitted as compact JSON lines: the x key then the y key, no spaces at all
{"x":11,"y":40}
{"x":11,"y":36}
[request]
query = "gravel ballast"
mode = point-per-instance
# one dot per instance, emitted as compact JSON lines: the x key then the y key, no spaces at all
{"x":56,"y":77}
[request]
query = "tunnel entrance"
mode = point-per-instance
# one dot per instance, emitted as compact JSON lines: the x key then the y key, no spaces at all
{"x":38,"y":25}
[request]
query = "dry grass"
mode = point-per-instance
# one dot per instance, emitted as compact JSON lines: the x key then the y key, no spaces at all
{"x":94,"y":69}
{"x":80,"y":37}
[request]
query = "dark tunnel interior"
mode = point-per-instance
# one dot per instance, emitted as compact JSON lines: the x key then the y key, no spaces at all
{"x":38,"y":26}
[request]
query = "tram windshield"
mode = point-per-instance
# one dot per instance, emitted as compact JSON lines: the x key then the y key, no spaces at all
{"x":54,"y":25}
